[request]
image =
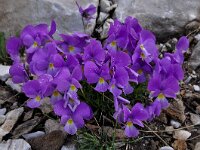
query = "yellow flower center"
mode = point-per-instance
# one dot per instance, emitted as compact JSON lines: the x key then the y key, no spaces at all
{"x":51,"y":65}
{"x":142,"y":47}
{"x":113,"y":43}
{"x":161,"y":96}
{"x":35,"y":44}
{"x":71,"y":48}
{"x":56,"y":93}
{"x":72,"y":87}
{"x":38,"y":98}
{"x":129,"y":123}
{"x":70,"y":121}
{"x":71,"y":101}
{"x":112,"y":86}
{"x":143,"y":56}
{"x":140,"y":71}
{"x":101,"y":80}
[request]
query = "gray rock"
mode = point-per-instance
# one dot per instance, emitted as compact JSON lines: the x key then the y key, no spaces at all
{"x":33,"y":135}
{"x":195,"y":59}
{"x":16,"y":87}
{"x":165,"y":18}
{"x":69,"y":147}
{"x":196,"y":88}
{"x":169,"y":129}
{"x":106,"y":6}
{"x":16,"y":144}
{"x":51,"y":141}
{"x":166,"y":148}
{"x":11,"y":119}
{"x":197,"y":37}
{"x":105,"y":28}
{"x":2,"y":119}
{"x":28,"y":115}
{"x":26,"y":127}
{"x":181,"y":135}
{"x":197,"y":146}
{"x":64,"y":12}
{"x":175,"y":124}
{"x":102,"y":17}
{"x":195,"y":119}
{"x":52,"y":125}
{"x":4,"y":72}
{"x":2,"y":111}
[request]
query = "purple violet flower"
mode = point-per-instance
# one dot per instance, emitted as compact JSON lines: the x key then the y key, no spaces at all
{"x":135,"y":116}
{"x":73,"y":120}
{"x":88,"y":12}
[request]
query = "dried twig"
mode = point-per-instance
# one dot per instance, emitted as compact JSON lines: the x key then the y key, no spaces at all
{"x":162,"y":131}
{"x":157,"y":135}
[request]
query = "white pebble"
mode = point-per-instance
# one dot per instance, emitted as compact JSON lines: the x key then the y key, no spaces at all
{"x":196,"y":88}
{"x":2,"y":111}
{"x":175,"y":124}
{"x":33,"y":135}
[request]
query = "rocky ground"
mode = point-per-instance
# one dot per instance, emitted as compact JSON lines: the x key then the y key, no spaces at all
{"x":177,"y":128}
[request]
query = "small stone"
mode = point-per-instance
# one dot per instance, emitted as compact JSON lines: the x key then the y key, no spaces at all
{"x":102,"y":17}
{"x":195,"y":59}
{"x":179,"y":145}
{"x":175,"y":124}
{"x":16,"y":87}
{"x":197,"y":146}
{"x":51,"y":141}
{"x":166,"y":148}
{"x":2,"y":119}
{"x":28,"y":115}
{"x":70,"y":146}
{"x":198,"y":109}
{"x":52,"y":125}
{"x":106,"y":27}
{"x":26,"y":127}
{"x":176,"y":110}
{"x":2,"y":111}
{"x":14,"y":106}
{"x":169,"y":129}
{"x":33,"y":135}
{"x":197,"y":37}
{"x":196,"y":88}
{"x":15,"y":144}
{"x":46,"y":106}
{"x":4,"y":72}
{"x":119,"y":133}
{"x":181,"y":135}
{"x":188,"y":79}
{"x":105,"y":4}
{"x":195,"y":119}
{"x":11,"y":119}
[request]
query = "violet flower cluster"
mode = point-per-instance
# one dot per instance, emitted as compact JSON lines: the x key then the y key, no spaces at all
{"x":53,"y":69}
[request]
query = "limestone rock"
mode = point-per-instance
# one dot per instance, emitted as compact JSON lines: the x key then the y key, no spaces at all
{"x":15,"y":144}
{"x":181,"y":134}
{"x":33,"y":135}
{"x":4,"y":72}
{"x":197,"y":146}
{"x":16,"y":87}
{"x":11,"y":119}
{"x":195,"y":59}
{"x":26,"y":127}
{"x":51,"y":141}
{"x":64,"y":12}
{"x":165,"y":18}
{"x":52,"y":125}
